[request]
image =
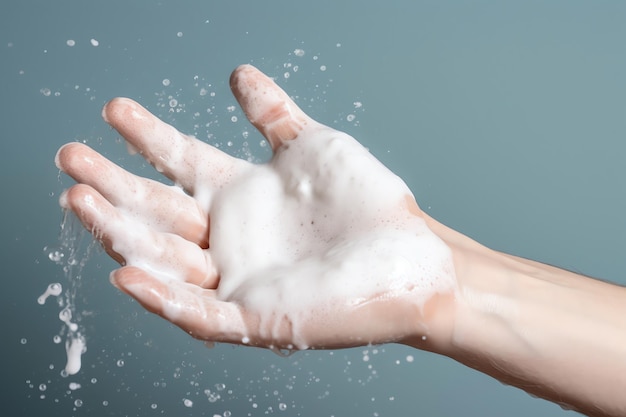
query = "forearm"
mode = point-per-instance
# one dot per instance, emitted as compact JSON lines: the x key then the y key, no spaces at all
{"x":553,"y":333}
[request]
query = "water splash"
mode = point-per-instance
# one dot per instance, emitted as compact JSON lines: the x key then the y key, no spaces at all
{"x":74,"y":249}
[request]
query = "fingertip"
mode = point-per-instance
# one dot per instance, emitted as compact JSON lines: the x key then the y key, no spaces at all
{"x":127,"y":277}
{"x":116,"y":108}
{"x":140,"y":285}
{"x":58,"y":156}
{"x":234,"y":76}
{"x":68,"y":154}
{"x":63,"y":201}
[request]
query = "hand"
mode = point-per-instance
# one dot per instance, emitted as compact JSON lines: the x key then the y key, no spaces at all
{"x":322,"y":247}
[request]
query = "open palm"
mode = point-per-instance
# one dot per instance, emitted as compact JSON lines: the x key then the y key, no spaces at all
{"x":320,"y":247}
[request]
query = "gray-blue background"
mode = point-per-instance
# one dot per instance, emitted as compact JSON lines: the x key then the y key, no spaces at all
{"x":507,"y":120}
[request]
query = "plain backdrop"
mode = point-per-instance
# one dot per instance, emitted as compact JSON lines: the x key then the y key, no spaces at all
{"x":506,"y":119}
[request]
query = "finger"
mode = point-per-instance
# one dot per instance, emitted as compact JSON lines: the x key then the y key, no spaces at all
{"x":167,"y":255}
{"x":193,"y":309}
{"x":163,"y":208}
{"x":184,"y":159}
{"x":267,"y":106}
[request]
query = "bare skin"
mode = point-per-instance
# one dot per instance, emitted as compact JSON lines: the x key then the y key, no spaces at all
{"x":555,"y":334}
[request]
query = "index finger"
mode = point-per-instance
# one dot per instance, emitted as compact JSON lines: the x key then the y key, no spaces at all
{"x":187,"y":161}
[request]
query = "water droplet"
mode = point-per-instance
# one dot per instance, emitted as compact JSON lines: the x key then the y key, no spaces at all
{"x":65,"y":316}
{"x":53,"y":289}
{"x":298,"y":52}
{"x":179,"y":34}
{"x":233,"y":119}
{"x":78,"y":403}
{"x":46,"y":92}
{"x":286,"y":74}
{"x":409,"y":358}
{"x":23,"y":341}
{"x":120,"y":363}
{"x":187,"y":402}
{"x":74,"y":386}
{"x":55,"y":255}
{"x":166,"y":82}
{"x":350,"y":117}
{"x":153,"y":406}
{"x":323,"y":68}
{"x":94,"y":42}
{"x":173,"y":102}
{"x":42,"y":387}
{"x":70,"y":42}
{"x":282,"y":406}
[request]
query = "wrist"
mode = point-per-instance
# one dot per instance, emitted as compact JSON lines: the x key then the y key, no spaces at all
{"x":553,"y":333}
